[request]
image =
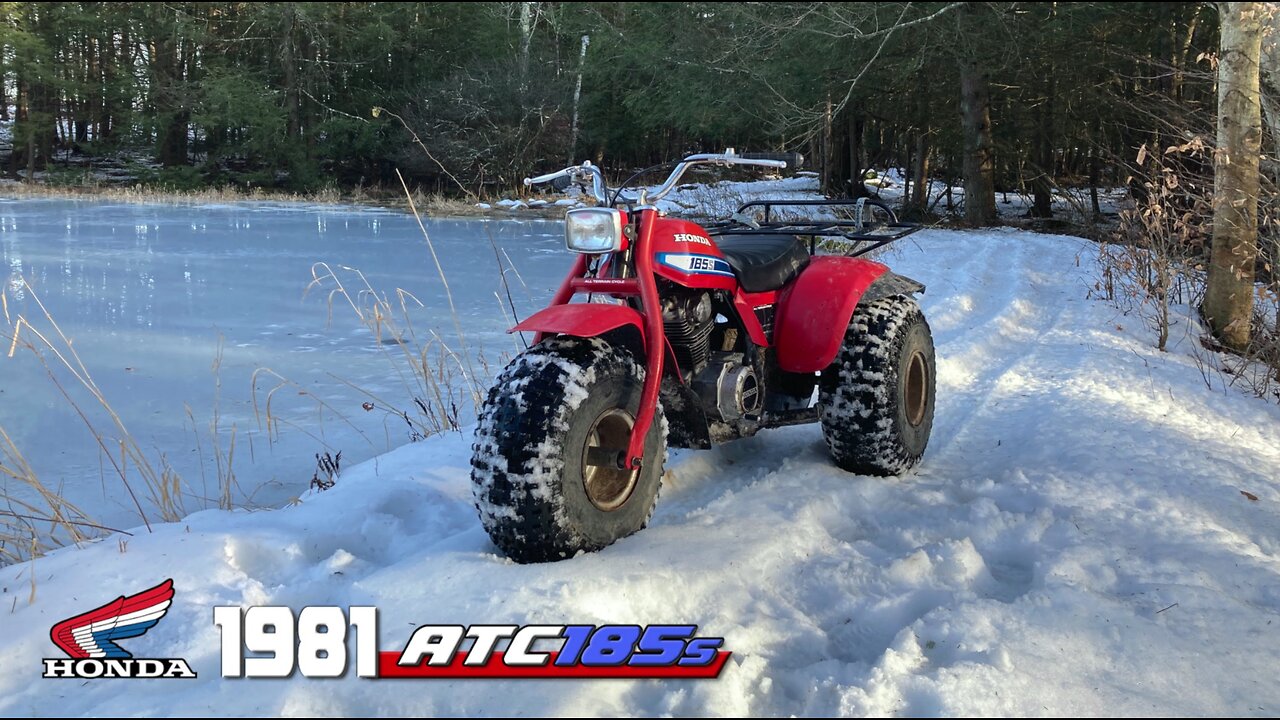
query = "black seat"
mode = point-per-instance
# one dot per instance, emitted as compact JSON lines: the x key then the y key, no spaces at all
{"x":763,"y":262}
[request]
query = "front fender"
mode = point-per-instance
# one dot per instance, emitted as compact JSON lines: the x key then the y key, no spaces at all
{"x":594,"y":320}
{"x":581,"y":320}
{"x":814,"y":312}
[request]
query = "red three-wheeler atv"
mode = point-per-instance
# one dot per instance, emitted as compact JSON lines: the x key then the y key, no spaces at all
{"x":691,"y":336}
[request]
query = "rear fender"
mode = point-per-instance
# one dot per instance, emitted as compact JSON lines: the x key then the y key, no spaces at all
{"x":890,"y":284}
{"x":814,"y":311}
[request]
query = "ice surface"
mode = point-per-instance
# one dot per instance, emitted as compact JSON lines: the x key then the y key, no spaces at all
{"x":146,"y":291}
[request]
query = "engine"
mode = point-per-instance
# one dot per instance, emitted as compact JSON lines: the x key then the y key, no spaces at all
{"x":728,"y":387}
{"x":688,"y":322}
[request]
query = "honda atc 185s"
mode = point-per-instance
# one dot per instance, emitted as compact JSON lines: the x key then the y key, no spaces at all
{"x":692,"y":335}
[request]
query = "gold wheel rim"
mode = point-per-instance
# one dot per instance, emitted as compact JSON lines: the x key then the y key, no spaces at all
{"x":609,"y":487}
{"x":917,"y":389}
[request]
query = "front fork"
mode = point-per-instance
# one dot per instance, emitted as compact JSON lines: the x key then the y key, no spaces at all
{"x":645,"y":286}
{"x":654,"y":338}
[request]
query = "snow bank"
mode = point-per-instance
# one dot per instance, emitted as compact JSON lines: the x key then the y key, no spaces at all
{"x":1075,"y":542}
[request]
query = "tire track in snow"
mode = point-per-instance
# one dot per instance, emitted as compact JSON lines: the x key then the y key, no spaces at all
{"x":974,"y":357}
{"x":1017,"y":304}
{"x":697,"y":478}
{"x":859,"y":631}
{"x":700,"y":477}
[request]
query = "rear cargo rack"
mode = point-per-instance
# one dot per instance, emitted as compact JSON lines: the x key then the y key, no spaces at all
{"x":860,"y":235}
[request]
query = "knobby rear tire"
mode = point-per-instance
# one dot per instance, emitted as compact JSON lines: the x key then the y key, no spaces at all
{"x":876,"y":400}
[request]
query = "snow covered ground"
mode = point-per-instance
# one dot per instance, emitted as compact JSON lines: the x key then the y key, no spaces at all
{"x":1076,"y":541}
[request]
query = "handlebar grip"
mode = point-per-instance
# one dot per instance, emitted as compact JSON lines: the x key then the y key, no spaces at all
{"x":560,"y":181}
{"x":549,"y":177}
{"x":793,"y":160}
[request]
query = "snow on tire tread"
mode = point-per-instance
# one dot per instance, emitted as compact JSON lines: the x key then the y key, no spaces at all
{"x":856,"y":401}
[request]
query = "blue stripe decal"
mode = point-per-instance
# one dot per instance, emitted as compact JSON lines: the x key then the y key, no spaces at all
{"x":696,"y":264}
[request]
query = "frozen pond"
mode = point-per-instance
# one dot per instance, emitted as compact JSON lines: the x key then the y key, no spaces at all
{"x":148,"y":292}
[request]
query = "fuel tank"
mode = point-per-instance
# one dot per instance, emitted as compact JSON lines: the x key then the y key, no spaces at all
{"x":685,"y":254}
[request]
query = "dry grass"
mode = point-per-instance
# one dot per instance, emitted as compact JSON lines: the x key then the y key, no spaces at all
{"x":1157,"y":255}
{"x":44,"y":519}
{"x":29,"y":527}
{"x":436,"y":382}
{"x":431,"y":204}
{"x":442,"y":206}
{"x":438,"y":379}
{"x":144,"y":194}
{"x":56,"y":354}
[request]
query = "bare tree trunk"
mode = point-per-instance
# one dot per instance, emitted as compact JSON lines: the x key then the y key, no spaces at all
{"x":1180,"y":57}
{"x":1042,"y":184}
{"x":979,"y":168}
{"x":920,"y":193}
{"x":4,"y":95}
{"x":31,"y":157}
{"x":19,"y":115}
{"x":815,"y":154}
{"x":1094,"y":179}
{"x":825,"y":172}
{"x":857,"y":157}
{"x":289,"y":64}
{"x":112,"y":57}
{"x":1228,"y":301}
{"x":172,"y":129}
{"x":840,"y":172}
{"x":526,"y":37}
{"x":93,"y":104}
{"x":908,"y":169}
{"x":1270,"y":84}
{"x":577,"y":95}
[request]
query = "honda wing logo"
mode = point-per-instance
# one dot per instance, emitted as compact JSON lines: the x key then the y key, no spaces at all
{"x":91,"y":639}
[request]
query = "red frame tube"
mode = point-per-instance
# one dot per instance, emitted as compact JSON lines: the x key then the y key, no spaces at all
{"x":655,"y":338}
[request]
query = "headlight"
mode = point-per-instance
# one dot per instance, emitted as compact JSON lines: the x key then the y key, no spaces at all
{"x":593,"y":230}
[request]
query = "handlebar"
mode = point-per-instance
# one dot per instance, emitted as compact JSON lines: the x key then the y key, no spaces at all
{"x":725,"y":159}
{"x":578,"y":173}
{"x":793,"y":160}
{"x":540,"y":179}
{"x":600,"y":191}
